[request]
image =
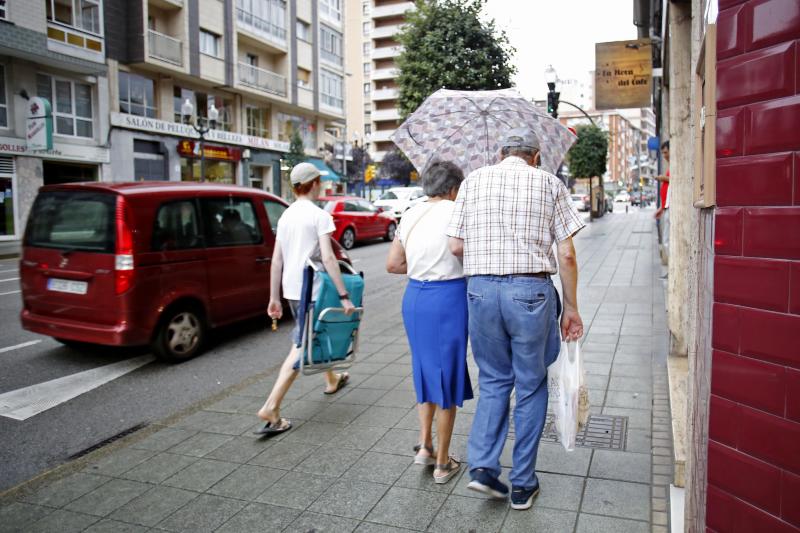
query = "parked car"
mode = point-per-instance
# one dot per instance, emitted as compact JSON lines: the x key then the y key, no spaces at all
{"x":622,"y":197}
{"x":125,"y":264}
{"x":609,"y":202}
{"x":357,"y":219}
{"x":580,"y":202}
{"x":398,"y":200}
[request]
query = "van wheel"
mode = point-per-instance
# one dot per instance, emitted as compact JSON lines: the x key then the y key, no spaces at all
{"x":180,"y":336}
{"x":390,"y":230}
{"x":348,"y":238}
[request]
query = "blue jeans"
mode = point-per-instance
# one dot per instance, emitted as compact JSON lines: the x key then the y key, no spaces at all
{"x":513,"y":326}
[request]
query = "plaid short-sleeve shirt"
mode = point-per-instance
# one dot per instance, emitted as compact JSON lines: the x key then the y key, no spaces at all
{"x":509,"y":215}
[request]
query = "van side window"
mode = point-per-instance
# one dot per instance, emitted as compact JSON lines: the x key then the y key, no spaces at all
{"x":177,"y":227}
{"x":274,"y":213}
{"x":230,"y":222}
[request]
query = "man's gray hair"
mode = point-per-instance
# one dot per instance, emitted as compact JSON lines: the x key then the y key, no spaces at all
{"x":518,"y":152}
{"x":441,"y":177}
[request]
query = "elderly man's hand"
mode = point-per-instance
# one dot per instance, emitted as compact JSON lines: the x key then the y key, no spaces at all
{"x":571,"y":325}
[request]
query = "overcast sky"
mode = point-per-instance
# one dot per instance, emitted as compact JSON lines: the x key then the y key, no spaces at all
{"x":561,"y":33}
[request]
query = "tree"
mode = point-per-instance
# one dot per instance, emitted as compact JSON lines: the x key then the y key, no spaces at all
{"x":447,"y":45}
{"x":297,"y":151}
{"x":587,"y":158}
{"x":396,"y":166}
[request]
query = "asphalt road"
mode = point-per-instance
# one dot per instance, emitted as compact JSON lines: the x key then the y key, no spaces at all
{"x":148,"y":394}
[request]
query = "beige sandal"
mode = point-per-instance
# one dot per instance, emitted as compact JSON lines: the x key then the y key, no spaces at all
{"x":450,"y":469}
{"x":420,"y":459}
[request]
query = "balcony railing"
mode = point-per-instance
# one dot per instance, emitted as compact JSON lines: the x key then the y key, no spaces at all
{"x":264,"y":80}
{"x":269,"y":29}
{"x":332,"y":101}
{"x":330,"y":57}
{"x":165,"y":48}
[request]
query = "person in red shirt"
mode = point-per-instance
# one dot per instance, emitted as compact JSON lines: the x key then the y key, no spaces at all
{"x":664,"y":179}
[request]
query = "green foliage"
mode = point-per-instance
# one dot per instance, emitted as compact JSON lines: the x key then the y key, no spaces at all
{"x":447,"y":45}
{"x":395,"y":165}
{"x":587,"y":157}
{"x":297,"y":151}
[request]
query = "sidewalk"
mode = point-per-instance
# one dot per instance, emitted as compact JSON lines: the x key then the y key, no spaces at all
{"x":347,"y":464}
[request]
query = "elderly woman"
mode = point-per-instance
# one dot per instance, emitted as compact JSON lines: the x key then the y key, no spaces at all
{"x":434,"y":314}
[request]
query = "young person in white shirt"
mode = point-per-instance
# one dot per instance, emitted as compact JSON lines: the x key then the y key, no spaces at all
{"x":303,"y":230}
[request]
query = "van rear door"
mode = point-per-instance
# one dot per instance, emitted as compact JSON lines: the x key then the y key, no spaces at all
{"x":68,"y":262}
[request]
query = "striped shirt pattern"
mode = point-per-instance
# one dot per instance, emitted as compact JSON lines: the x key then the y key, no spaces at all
{"x":509,"y":215}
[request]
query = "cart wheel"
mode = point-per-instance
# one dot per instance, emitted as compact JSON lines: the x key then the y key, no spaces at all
{"x":390,"y":230}
{"x":348,"y":238}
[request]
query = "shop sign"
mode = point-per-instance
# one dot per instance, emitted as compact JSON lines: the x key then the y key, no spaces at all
{"x":39,"y":132}
{"x":623,"y":74}
{"x":59,"y":152}
{"x":188,"y":148}
{"x":164,"y":127}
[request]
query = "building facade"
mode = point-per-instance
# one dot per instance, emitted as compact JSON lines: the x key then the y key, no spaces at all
{"x":51,"y":49}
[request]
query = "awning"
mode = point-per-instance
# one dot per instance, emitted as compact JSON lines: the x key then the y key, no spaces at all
{"x":327,"y":172}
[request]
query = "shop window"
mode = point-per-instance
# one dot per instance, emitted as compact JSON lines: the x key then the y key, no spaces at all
{"x":216,"y":171}
{"x":3,"y":101}
{"x":209,"y":43}
{"x":258,"y":121}
{"x":177,"y":227}
{"x":136,"y":95}
{"x":274,"y":213}
{"x":71,"y":103}
{"x":149,"y":163}
{"x":56,"y":173}
{"x":7,"y":215}
{"x":230,"y":222}
{"x":81,"y":14}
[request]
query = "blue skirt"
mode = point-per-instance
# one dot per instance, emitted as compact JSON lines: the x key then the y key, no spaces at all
{"x":435,"y":317}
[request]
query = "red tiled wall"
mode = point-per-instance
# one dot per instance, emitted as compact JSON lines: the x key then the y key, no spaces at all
{"x":754,"y":413}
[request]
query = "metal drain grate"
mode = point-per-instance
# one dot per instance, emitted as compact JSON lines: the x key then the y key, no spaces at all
{"x":108,"y":441}
{"x":603,"y":431}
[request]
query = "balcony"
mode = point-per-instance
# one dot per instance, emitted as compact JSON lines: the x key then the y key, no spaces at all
{"x":331,"y":58}
{"x":384,"y":74}
{"x":391,"y":10}
{"x":261,"y":79}
{"x":385,"y":94}
{"x":305,"y":96}
{"x":385,"y":114}
{"x":381,"y":135}
{"x":332,"y":103}
{"x":167,"y":4}
{"x":272,"y":31}
{"x":387,"y":52}
{"x":75,"y":42}
{"x":383,"y":32}
{"x":165,"y":48}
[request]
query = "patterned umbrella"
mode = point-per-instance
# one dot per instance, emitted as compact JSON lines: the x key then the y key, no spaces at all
{"x":466,"y":127}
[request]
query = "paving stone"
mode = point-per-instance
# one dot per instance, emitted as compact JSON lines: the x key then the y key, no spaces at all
{"x":596,"y":381}
{"x":303,"y":409}
{"x":296,"y":490}
{"x":463,"y":514}
{"x":201,"y":475}
{"x":329,"y":461}
{"x":628,"y":400}
{"x":367,"y":368}
{"x":312,"y":432}
{"x":588,"y":523}
{"x":65,"y":490}
{"x":246,"y":482}
{"x":411,"y":419}
{"x":637,"y":418}
{"x":62,"y":521}
{"x":284,"y":455}
{"x":159,"y":468}
{"x":204,"y":513}
{"x":240,"y":449}
{"x":153,"y":506}
{"x":633,"y":371}
{"x":381,"y":416}
{"x":119,"y":461}
{"x":379,"y":467}
{"x":259,"y":518}
{"x":555,"y":459}
{"x":366,"y":527}
{"x":163,"y":439}
{"x":421,"y":478}
{"x":624,"y":466}
{"x":629,"y":384}
{"x":362,"y":396}
{"x":200,"y":444}
{"x":339,"y":413}
{"x":401,"y":507}
{"x":225,"y":423}
{"x":601,"y":369}
{"x":638,"y":441}
{"x":313,"y":522}
{"x":616,"y":498}
{"x":598,"y":357}
{"x":398,"y":398}
{"x":236,"y":404}
{"x":398,"y":368}
{"x":408,"y":384}
{"x":539,"y":519}
{"x":113,"y":526}
{"x":18,"y":516}
{"x":461,"y":484}
{"x":559,"y":491}
{"x":658,"y":504}
{"x":357,"y":437}
{"x":349,"y":498}
{"x":108,"y":497}
{"x":397,"y":441}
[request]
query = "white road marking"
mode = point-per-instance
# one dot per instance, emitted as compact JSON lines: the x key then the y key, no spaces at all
{"x":9,"y":292}
{"x":18,"y":346}
{"x":24,"y":403}
{"x":14,"y":271}
{"x":9,"y":279}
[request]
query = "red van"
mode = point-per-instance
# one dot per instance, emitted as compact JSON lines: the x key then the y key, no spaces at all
{"x":127,"y":264}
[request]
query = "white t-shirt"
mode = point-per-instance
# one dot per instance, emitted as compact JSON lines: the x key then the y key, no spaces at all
{"x":427,"y":251}
{"x":299,"y":230}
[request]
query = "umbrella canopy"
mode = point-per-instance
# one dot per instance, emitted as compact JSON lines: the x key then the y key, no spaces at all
{"x":466,"y":127}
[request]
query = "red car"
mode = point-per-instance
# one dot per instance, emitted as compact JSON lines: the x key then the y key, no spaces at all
{"x":127,"y":264}
{"x":357,"y":219}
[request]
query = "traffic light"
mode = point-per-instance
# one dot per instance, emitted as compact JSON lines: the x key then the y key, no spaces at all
{"x":369,"y":173}
{"x":552,"y":103}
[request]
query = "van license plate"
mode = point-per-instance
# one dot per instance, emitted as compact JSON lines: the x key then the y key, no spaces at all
{"x":67,"y":285}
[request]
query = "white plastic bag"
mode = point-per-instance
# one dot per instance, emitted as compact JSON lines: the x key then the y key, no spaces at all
{"x":569,"y":397}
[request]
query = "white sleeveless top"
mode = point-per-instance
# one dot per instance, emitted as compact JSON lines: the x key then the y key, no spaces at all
{"x":427,"y":251}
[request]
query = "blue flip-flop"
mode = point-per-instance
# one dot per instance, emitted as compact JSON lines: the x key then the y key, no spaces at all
{"x":270,"y":429}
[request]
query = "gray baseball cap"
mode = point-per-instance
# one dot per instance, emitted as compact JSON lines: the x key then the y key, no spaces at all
{"x":303,"y":173}
{"x":520,"y":138}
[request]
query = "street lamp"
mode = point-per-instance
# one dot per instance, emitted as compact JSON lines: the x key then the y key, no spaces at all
{"x":187,"y":110}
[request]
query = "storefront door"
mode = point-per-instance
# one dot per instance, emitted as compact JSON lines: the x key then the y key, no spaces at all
{"x":8,"y":211}
{"x":56,"y":173}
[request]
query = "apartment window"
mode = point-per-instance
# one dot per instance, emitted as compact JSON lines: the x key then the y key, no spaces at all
{"x":331,"y":92}
{"x":82,"y":14}
{"x":251,"y":59}
{"x":258,"y":121}
{"x":136,"y":95}
{"x":2,"y":9}
{"x":71,"y":103}
{"x":3,"y":101}
{"x":367,"y":88}
{"x":367,"y":68}
{"x":367,"y":48}
{"x":365,"y":7}
{"x":264,"y":16}
{"x":304,"y":31}
{"x":209,"y":43}
{"x":303,"y":77}
{"x":331,"y":45}
{"x":331,"y":9}
{"x":202,"y":102}
{"x":366,"y":27}
{"x":367,"y":129}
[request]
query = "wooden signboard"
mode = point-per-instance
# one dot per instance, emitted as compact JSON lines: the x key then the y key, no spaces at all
{"x":623,"y":75}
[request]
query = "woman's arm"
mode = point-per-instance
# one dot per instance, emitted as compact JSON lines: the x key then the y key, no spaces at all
{"x":396,"y":260}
